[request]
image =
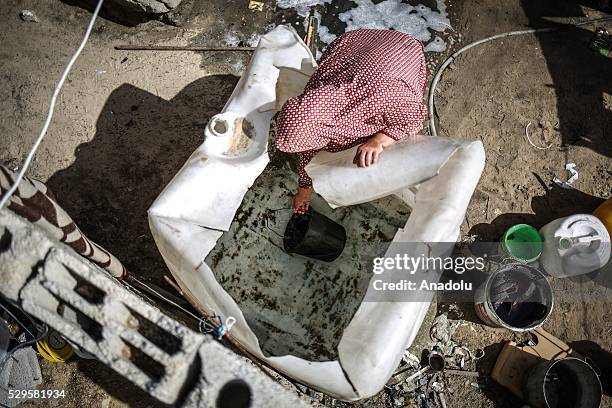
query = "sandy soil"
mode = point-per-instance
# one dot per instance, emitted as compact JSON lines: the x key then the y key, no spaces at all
{"x":493,"y":92}
{"x":126,"y":121}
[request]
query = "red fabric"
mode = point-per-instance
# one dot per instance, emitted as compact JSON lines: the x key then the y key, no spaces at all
{"x":368,"y":81}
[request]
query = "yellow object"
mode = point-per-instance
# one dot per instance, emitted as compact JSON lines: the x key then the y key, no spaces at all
{"x":54,"y":347}
{"x":310,"y":31}
{"x":604,"y":213}
{"x":256,"y":5}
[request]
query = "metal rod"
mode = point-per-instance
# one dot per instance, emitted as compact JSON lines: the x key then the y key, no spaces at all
{"x":464,"y":373}
{"x":417,"y":374}
{"x":180,"y":48}
{"x":137,"y":284}
{"x":310,"y":31}
{"x":176,"y":287}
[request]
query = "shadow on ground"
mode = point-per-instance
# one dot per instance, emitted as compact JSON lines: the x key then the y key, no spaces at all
{"x":500,"y":396}
{"x":113,"y":11}
{"x":116,"y":385}
{"x":601,"y":359}
{"x":556,"y":202}
{"x":141,"y":141}
{"x":580,"y":76}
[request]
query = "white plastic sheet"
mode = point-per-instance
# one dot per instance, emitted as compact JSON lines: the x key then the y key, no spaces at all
{"x":406,"y":163}
{"x":192,"y":212}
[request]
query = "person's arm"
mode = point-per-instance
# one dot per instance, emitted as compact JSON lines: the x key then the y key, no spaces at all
{"x":304,"y":180}
{"x":368,"y":153}
{"x":301,"y":200}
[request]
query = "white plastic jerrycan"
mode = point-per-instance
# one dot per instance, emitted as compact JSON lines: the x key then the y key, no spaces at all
{"x":574,"y":245}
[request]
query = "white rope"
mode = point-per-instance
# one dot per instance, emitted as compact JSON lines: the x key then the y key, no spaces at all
{"x":162,"y":297}
{"x":533,"y":144}
{"x":203,"y":326}
{"x":28,"y":160}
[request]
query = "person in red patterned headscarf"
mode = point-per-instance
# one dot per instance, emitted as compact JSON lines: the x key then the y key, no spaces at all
{"x":368,"y":90}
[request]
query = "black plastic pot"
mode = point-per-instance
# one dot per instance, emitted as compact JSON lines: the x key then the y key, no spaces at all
{"x":565,"y":383}
{"x":315,"y":236}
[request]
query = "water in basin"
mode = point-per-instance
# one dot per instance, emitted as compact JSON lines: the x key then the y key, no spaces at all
{"x":295,"y":305}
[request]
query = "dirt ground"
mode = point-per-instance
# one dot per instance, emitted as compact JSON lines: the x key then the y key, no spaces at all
{"x":554,"y":82}
{"x":126,"y":121}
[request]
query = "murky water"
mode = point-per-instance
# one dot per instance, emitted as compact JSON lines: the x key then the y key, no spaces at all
{"x":296,"y":305}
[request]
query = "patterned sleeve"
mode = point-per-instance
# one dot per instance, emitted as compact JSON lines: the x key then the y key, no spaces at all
{"x":401,"y":132}
{"x":304,"y":158}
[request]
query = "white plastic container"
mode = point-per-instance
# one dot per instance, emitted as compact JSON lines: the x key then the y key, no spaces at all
{"x":402,"y":165}
{"x":574,"y":245}
{"x":199,"y":204}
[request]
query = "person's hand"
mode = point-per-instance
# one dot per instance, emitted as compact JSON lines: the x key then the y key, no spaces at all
{"x":368,"y":153}
{"x":301,"y":200}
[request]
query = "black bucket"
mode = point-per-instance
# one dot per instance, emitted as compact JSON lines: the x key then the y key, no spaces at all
{"x":315,"y":236}
{"x":565,"y":383}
